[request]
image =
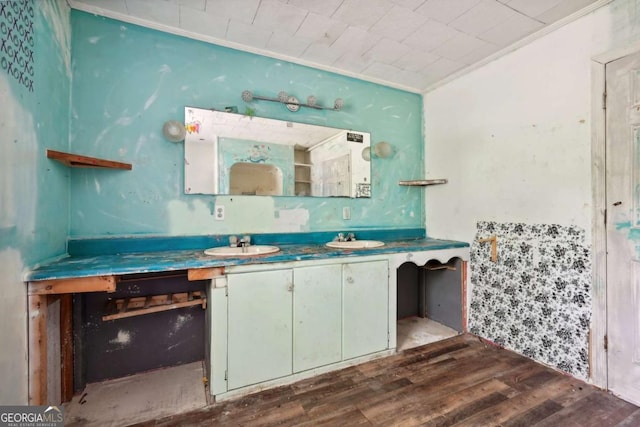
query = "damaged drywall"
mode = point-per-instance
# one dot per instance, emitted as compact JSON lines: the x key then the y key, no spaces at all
{"x":129,"y":80}
{"x":34,"y":194}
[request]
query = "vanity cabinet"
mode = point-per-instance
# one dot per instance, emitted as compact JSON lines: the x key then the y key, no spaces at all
{"x":259,"y":326}
{"x":317,"y":316}
{"x":273,"y":322}
{"x":365,"y":302}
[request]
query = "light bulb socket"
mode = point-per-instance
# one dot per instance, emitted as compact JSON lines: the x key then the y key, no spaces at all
{"x":247,"y":96}
{"x":174,"y":131}
{"x":383,"y":149}
{"x":283,"y":97}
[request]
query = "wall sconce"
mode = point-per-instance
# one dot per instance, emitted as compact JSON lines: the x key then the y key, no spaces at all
{"x":380,"y":149}
{"x":174,"y":131}
{"x":291,"y":102}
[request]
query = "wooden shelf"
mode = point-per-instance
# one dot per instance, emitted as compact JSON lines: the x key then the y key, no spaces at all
{"x":423,"y":182}
{"x":138,"y":306}
{"x":78,"y":161}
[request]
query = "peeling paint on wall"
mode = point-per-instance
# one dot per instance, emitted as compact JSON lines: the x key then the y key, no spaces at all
{"x":57,"y":16}
{"x":18,"y":186}
{"x":291,"y":220}
{"x":34,"y":193}
{"x":13,"y":364}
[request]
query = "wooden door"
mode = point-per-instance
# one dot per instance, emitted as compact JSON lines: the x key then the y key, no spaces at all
{"x":259,"y":326}
{"x":365,"y":295}
{"x":317,"y":316}
{"x":623,"y":227}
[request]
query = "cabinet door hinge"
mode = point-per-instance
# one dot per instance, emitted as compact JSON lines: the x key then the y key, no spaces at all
{"x":604,"y":100}
{"x":606,"y":343}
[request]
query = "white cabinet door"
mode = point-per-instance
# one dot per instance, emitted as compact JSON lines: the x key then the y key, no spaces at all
{"x":365,"y":298}
{"x":317,"y":316}
{"x":218,"y":352}
{"x":259,"y":326}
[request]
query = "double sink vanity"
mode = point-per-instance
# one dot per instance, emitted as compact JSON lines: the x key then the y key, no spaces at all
{"x":260,"y":310}
{"x":281,"y":322}
{"x":278,"y":309}
{"x":242,"y":247}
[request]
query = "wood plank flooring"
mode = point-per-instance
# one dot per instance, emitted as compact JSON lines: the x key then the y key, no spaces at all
{"x":460,"y":381}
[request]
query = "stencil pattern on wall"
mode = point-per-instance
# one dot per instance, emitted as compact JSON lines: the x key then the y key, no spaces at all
{"x":536,"y":299}
{"x":17,"y":40}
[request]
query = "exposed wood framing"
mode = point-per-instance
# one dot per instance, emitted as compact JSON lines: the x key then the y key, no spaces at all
{"x":73,"y":285}
{"x":463,"y":283}
{"x":204,"y":273}
{"x":37,"y":349}
{"x":138,"y":306}
{"x":66,"y":342}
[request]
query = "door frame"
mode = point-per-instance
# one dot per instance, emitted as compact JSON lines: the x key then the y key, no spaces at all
{"x":598,"y":333}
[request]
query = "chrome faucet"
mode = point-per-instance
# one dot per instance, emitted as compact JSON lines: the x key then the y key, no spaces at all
{"x":243,"y":242}
{"x":341,"y":237}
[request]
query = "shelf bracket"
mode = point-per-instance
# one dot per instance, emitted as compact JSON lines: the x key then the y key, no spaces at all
{"x":423,"y":182}
{"x":494,"y":246}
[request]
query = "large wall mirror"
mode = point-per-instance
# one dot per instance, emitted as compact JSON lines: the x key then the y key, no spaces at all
{"x":230,"y":153}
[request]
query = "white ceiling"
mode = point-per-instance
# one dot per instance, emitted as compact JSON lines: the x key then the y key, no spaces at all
{"x":408,"y":44}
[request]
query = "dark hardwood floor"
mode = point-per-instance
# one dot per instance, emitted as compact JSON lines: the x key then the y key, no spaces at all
{"x":460,"y":381}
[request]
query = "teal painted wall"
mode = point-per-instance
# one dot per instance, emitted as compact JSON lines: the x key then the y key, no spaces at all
{"x":34,"y":191}
{"x":128,"y":80}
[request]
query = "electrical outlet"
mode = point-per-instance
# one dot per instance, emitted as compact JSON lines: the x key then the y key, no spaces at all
{"x":346,"y":212}
{"x":219,"y":212}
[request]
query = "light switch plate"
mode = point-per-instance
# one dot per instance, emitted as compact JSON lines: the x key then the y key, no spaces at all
{"x":346,"y":212}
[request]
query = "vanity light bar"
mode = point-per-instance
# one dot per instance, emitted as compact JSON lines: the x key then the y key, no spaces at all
{"x":292,"y":103}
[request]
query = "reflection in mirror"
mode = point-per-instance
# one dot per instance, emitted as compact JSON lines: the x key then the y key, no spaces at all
{"x":228,"y":153}
{"x":255,"y":179}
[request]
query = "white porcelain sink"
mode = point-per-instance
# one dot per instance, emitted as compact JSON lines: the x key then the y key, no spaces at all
{"x":253,"y":250}
{"x":356,"y":244}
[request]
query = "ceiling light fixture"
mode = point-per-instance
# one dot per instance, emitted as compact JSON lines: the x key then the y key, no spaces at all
{"x":291,"y":102}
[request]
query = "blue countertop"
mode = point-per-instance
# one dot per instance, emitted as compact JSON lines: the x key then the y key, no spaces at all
{"x":171,"y":260}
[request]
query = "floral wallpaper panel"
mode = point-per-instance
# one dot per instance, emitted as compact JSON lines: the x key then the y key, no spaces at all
{"x":536,"y":299}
